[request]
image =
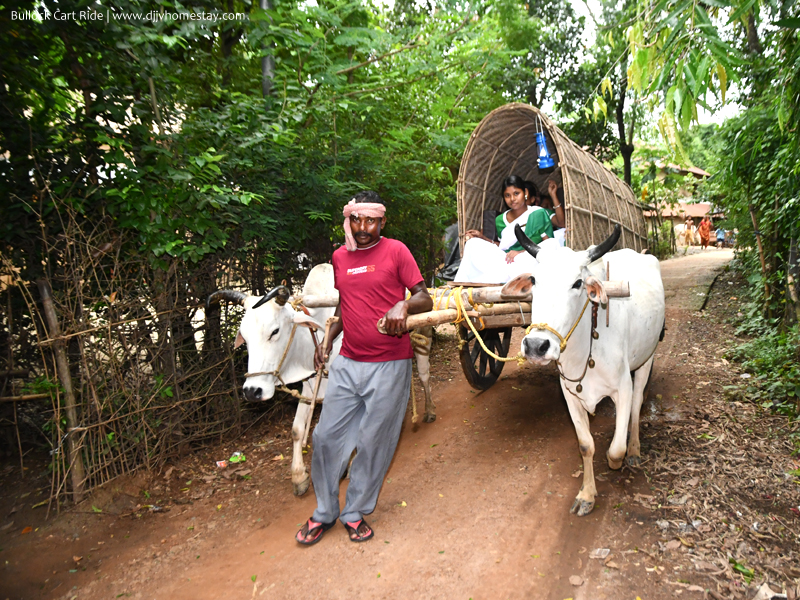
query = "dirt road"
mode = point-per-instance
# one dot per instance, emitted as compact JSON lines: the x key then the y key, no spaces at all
{"x":475,"y":505}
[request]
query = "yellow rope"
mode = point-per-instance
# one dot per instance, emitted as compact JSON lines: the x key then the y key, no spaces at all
{"x":554,"y":332}
{"x":414,"y":415}
{"x":462,"y":317}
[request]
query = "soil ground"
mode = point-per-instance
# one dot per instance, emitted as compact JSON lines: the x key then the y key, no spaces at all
{"x":475,"y":505}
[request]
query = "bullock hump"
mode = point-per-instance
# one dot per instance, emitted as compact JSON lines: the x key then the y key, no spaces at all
{"x":319,"y":281}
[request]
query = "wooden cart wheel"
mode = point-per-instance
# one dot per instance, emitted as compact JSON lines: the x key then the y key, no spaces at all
{"x":480,"y":369}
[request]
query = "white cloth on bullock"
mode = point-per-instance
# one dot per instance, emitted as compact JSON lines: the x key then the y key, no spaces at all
{"x":561,"y":236}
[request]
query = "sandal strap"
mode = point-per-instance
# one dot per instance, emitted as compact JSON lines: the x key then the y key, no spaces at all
{"x":311,"y":527}
{"x":356,"y":525}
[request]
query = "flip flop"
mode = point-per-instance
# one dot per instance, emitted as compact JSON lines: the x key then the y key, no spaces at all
{"x":352,"y":528}
{"x":312,"y":527}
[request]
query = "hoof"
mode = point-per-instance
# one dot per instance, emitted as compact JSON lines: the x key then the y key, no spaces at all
{"x":581,"y":507}
{"x":429,"y":417}
{"x":302,"y":487}
{"x":615,"y":465}
{"x":634,"y":461}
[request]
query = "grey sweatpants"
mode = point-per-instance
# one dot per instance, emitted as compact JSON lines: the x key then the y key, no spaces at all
{"x":364,"y":408}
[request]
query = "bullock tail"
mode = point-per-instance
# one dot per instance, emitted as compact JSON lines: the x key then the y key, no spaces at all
{"x":663,"y":331}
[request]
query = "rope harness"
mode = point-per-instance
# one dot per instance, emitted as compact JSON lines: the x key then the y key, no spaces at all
{"x":418,"y":341}
{"x":276,"y":373}
{"x":456,"y":295}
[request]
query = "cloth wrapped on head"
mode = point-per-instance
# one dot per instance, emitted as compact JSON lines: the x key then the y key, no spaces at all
{"x":366,"y":209}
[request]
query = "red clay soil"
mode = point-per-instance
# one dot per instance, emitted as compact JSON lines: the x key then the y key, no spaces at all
{"x":475,"y":505}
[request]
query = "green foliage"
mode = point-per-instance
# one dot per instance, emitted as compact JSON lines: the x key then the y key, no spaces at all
{"x":160,"y":127}
{"x":773,"y":358}
{"x":661,"y":246}
{"x":545,"y":40}
{"x":702,"y":146}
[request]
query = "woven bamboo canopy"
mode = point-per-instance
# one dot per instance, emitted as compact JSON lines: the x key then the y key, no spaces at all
{"x":504,"y":144}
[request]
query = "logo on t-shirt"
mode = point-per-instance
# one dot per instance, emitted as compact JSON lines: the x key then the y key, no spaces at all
{"x":360,"y":270}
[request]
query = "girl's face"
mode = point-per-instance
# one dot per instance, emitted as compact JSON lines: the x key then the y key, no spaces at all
{"x":514,"y":198}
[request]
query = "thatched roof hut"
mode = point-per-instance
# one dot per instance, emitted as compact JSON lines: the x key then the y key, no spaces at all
{"x":504,"y":144}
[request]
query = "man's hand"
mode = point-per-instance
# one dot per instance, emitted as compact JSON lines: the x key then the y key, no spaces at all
{"x":321,"y":353}
{"x":419,"y":302}
{"x":473,"y":233}
{"x":395,"y":319}
{"x":512,"y":254}
{"x":320,"y":357}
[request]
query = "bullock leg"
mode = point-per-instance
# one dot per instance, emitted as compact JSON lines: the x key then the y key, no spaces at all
{"x":640,"y":379}
{"x":584,"y":501}
{"x":300,"y":477}
{"x":421,"y":340}
{"x":623,"y":401}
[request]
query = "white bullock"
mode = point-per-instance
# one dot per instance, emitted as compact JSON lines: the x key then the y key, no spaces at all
{"x":281,"y":351}
{"x":594,"y":361}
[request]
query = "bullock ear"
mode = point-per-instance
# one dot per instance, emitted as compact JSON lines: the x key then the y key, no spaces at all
{"x":239,"y":340}
{"x":521,"y":285}
{"x":595,"y":289}
{"x":302,"y":319}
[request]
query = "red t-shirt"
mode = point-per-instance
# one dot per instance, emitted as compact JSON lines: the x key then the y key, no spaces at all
{"x":370,"y":282}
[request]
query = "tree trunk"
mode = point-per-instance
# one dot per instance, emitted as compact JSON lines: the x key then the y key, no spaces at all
{"x":229,"y":39}
{"x":792,"y":278}
{"x":75,"y":460}
{"x":625,"y":148}
{"x":753,"y":44}
{"x":761,"y":257}
{"x":267,"y":62}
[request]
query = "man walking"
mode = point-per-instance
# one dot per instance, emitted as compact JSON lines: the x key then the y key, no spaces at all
{"x":369,"y":382}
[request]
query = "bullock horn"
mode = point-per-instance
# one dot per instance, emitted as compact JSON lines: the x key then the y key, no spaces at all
{"x":525,"y":241}
{"x":281,"y":294}
{"x":605,"y":246}
{"x":229,"y":295}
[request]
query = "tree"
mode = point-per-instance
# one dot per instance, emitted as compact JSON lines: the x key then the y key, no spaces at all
{"x":545,"y":39}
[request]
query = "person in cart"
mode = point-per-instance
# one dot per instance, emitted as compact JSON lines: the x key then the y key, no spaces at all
{"x":487,"y":261}
{"x":555,"y":208}
{"x":370,"y":380}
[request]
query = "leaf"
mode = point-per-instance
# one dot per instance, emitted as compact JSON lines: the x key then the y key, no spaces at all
{"x":95,"y":509}
{"x":687,"y":112}
{"x":701,"y":77}
{"x":722,"y":75}
{"x":605,"y":86}
{"x":790,"y":23}
{"x":741,"y":11}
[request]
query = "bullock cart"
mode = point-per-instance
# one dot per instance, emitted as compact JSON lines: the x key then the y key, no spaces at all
{"x":594,"y":199}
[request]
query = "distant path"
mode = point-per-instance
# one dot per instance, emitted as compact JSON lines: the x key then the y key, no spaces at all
{"x":687,"y":279}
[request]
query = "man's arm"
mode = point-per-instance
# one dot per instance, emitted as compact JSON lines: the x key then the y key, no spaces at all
{"x":419,"y":302}
{"x":321,"y":354}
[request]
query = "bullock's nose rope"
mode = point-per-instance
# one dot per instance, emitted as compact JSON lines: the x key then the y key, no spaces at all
{"x":564,"y":340}
{"x":277,"y":372}
{"x":462,"y":316}
{"x":589,"y":360}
